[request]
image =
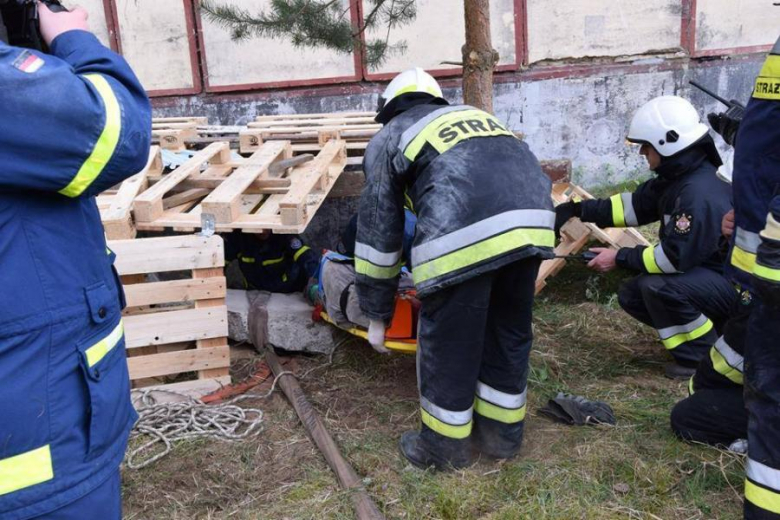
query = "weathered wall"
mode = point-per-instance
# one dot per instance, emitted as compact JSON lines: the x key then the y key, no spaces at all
{"x":581,"y":118}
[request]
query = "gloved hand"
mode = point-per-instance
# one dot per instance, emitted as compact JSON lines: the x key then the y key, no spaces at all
{"x":376,"y":336}
{"x":565,"y":212}
{"x":727,"y":123}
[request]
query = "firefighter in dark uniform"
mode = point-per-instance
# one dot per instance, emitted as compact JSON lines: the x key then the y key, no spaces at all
{"x":73,"y":122}
{"x":271,"y":262}
{"x":754,"y":266}
{"x":484,"y":223}
{"x":681,"y":291}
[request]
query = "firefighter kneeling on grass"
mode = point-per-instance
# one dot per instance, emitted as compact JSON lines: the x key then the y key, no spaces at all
{"x":484,"y":223}
{"x":73,"y":123}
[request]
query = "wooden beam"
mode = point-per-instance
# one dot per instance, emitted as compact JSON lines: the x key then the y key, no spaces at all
{"x":175,"y":291}
{"x":155,"y":365}
{"x":163,"y":254}
{"x":175,"y":326}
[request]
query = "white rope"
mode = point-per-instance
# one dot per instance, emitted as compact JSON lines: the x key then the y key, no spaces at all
{"x":166,"y":423}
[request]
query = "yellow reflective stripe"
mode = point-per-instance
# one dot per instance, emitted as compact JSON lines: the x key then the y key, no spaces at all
{"x":762,"y":497}
{"x":678,"y":339}
{"x":247,"y":259}
{"x":454,"y":127}
{"x":298,"y":253}
{"x":690,"y":386}
{"x":742,"y":259}
{"x":99,"y":350}
{"x":25,"y":470}
{"x":723,"y":368}
{"x":497,"y":413}
{"x":448,"y":430}
{"x":366,"y":268}
{"x":766,"y":273}
{"x":648,"y":258}
{"x":483,"y":250}
{"x":106,"y":143}
{"x":271,"y":261}
{"x":768,"y":81}
{"x":408,"y":201}
{"x":618,"y":213}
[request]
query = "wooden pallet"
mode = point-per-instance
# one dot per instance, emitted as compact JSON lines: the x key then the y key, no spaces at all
{"x":308,"y":133}
{"x":576,"y":234}
{"x":115,"y":205}
{"x":246,"y":195}
{"x":175,"y":328}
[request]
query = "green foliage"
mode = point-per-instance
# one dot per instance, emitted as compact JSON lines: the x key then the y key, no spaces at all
{"x":319,"y":23}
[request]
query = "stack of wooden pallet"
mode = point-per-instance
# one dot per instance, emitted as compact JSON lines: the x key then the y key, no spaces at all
{"x":175,"y":330}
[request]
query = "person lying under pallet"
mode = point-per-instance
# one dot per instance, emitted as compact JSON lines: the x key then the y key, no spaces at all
{"x":269,"y":262}
{"x":681,"y":291}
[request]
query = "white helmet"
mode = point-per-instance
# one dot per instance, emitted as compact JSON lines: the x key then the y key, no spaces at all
{"x":669,"y":124}
{"x":412,"y":80}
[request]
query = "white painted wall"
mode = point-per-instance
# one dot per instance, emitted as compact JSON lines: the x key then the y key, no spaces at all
{"x":736,"y":23}
{"x":97,"y":17}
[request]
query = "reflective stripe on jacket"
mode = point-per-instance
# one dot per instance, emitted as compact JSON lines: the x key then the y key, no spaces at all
{"x":73,"y":124}
{"x":480,"y":197}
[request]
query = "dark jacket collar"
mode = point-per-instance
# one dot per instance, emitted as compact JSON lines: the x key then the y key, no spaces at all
{"x":689,"y":159}
{"x":404,"y":102}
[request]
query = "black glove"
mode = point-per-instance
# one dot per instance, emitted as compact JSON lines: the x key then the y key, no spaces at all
{"x":727,"y":123}
{"x":564,"y":212}
{"x":572,"y":409}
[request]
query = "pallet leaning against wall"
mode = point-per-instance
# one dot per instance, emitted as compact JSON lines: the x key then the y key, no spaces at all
{"x":175,"y":329}
{"x":576,"y":234}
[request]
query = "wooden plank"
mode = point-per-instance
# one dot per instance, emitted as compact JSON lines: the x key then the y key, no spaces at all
{"x":168,"y":363}
{"x":117,"y":219}
{"x":148,"y":205}
{"x":185,"y":119}
{"x":224,"y":201}
{"x":196,"y":388}
{"x":211,"y":343}
{"x":315,"y":175}
{"x":175,"y":291}
{"x":184,"y":197}
{"x":179,"y":253}
{"x":176,"y":326}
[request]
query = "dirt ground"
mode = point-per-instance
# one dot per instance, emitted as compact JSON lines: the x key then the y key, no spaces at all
{"x":584,"y":344}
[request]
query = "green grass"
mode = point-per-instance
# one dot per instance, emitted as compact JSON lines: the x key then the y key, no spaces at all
{"x":584,"y":344}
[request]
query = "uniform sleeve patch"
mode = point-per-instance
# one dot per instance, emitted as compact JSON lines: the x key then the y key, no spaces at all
{"x":683,"y":222}
{"x":28,"y":62}
{"x":296,"y":243}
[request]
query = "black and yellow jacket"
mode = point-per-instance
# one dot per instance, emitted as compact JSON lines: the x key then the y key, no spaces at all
{"x":481,"y":199}
{"x":689,"y":202}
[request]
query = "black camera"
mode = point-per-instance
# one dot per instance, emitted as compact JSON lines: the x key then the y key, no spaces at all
{"x":19,"y":22}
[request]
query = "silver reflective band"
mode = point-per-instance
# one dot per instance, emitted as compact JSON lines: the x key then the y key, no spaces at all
{"x":446,"y":416}
{"x":629,"y":215}
{"x":733,"y":359}
{"x":662,"y":261}
{"x":502,"y":399}
{"x":408,"y":136}
{"x":763,"y":474}
{"x":497,"y":224}
{"x":376,"y":257}
{"x":668,"y":332}
{"x":747,"y":240}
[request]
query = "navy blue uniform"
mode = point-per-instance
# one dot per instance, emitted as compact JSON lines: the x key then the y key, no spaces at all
{"x":681,"y":292}
{"x":73,"y":124}
{"x":276,"y":263}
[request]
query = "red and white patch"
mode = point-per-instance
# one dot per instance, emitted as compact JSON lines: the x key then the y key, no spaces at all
{"x":28,"y":62}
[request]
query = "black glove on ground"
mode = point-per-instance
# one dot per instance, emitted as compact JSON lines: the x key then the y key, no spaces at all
{"x":573,"y":409}
{"x":564,"y":212}
{"x":727,"y":123}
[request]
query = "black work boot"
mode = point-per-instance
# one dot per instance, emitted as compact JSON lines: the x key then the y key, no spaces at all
{"x":427,"y":449}
{"x":495,"y":439}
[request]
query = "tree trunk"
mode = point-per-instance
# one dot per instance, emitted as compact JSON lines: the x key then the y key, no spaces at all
{"x":479,"y":56}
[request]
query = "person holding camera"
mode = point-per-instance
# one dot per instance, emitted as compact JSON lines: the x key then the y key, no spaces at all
{"x":75,"y":121}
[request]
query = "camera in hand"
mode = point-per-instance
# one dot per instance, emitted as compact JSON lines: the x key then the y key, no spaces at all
{"x":19,"y":22}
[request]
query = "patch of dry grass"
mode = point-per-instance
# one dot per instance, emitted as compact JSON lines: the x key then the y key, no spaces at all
{"x":584,"y":345}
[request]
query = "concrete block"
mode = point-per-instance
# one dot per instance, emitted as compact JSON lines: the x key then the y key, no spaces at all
{"x":290,"y":326}
{"x":239,"y":304}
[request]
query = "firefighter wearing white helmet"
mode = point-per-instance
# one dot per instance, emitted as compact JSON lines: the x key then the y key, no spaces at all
{"x":679,"y":290}
{"x":484,"y":224}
